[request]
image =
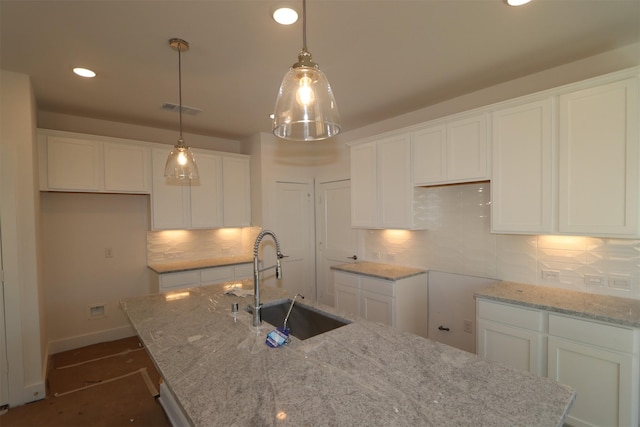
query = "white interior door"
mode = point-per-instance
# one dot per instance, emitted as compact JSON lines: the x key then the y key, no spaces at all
{"x":335,"y":238}
{"x":294,"y":228}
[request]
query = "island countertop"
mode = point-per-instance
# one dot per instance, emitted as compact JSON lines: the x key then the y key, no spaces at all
{"x":221,"y":372}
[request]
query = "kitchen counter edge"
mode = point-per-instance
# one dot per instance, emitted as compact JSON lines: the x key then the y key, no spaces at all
{"x":605,"y":308}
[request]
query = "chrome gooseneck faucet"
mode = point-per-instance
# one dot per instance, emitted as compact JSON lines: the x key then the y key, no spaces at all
{"x":257,"y":270}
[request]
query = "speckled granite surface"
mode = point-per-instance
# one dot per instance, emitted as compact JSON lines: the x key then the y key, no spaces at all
{"x":222,"y":373}
{"x":184,"y":265}
{"x":379,"y":270}
{"x":622,"y":311}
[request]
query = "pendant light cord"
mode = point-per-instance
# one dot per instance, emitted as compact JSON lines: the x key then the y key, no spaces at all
{"x":180,"y":86}
{"x":304,"y":25}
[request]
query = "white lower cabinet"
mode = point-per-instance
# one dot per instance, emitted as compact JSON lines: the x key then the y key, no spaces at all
{"x":512,"y":335}
{"x":165,"y":282}
{"x":401,"y":304}
{"x":601,"y":361}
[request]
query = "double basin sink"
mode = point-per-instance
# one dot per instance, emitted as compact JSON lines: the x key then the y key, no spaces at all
{"x":304,"y":321}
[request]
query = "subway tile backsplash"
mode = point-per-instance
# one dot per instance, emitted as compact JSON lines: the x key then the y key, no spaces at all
{"x":458,"y":240}
{"x":173,"y":245}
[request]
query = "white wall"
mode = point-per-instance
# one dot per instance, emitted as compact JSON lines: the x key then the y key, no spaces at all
{"x":77,"y":229}
{"x":20,"y":230}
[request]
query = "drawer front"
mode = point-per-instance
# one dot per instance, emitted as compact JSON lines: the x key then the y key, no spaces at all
{"x":346,"y":279}
{"x":379,"y":286}
{"x":594,"y":333}
{"x":217,"y":274}
{"x":511,"y":315}
{"x":181,"y":278}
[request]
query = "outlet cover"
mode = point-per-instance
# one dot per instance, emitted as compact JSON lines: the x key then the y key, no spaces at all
{"x":594,"y":280}
{"x":551,"y":275}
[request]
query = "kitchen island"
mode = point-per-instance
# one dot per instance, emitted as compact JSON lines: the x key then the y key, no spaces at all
{"x":221,"y":372}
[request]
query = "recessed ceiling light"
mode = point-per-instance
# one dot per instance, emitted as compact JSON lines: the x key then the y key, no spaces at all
{"x":517,"y":2}
{"x":84,"y":72}
{"x":285,"y":16}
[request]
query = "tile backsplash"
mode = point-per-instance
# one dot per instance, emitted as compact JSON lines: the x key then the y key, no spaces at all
{"x":458,"y":240}
{"x":173,"y":245}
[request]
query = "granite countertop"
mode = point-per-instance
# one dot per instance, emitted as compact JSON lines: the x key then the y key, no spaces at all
{"x":185,"y":265}
{"x":379,"y":270}
{"x":222,"y":373}
{"x":621,"y":311}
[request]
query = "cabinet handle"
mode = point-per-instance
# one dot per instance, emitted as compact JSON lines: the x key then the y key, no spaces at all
{"x":442,"y":328}
{"x":355,"y":257}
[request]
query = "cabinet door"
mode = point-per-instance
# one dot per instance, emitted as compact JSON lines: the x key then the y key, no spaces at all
{"x":347,"y":299}
{"x":598,"y":160}
{"x":169,"y":196}
{"x":395,"y":197}
{"x":74,"y":164}
{"x":519,"y":348}
{"x":378,"y":308}
{"x":364,"y":201}
{"x":236,"y":190}
{"x":206,"y":204}
{"x":467,"y":149}
{"x":126,"y":168}
{"x":429,"y":155}
{"x":603,"y":381}
{"x":522,"y":180}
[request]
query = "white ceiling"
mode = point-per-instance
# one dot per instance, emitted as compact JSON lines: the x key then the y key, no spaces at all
{"x":383,"y":58}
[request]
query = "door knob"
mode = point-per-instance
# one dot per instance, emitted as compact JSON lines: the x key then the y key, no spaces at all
{"x":442,"y":328}
{"x":355,"y":257}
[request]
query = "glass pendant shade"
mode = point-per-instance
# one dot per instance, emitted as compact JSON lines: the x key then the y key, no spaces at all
{"x":181,"y":164}
{"x":305,"y":108}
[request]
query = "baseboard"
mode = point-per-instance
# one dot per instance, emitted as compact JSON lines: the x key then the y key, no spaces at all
{"x":78,"y":341}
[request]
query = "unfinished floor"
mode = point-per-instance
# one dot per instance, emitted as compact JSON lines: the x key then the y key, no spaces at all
{"x":107,"y":384}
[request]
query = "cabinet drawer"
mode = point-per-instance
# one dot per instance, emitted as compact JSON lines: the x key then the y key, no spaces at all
{"x":378,"y":286}
{"x":594,"y":333}
{"x":181,"y":278}
{"x":346,"y":279}
{"x":511,"y":315}
{"x":217,"y":274}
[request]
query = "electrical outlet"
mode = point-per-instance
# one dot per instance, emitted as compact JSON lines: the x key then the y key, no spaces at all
{"x":174,"y":254}
{"x":594,"y":280}
{"x":620,"y":282}
{"x":551,"y":275}
{"x":468,"y":326}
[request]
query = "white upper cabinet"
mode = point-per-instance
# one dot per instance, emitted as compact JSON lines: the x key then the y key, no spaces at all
{"x":236,"y":191}
{"x":568,"y":162}
{"x":75,"y":162}
{"x":364,"y":185}
{"x":220,"y":197}
{"x":381,"y":190}
{"x":521,"y":185}
{"x":127,"y":167}
{"x":599,"y":160}
{"x":205,"y":192}
{"x":451,"y":151}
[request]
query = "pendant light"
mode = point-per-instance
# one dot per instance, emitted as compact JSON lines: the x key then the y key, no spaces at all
{"x":305,"y":108}
{"x":180,"y":164}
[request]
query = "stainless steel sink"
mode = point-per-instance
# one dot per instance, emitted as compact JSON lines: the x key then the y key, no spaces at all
{"x":304,"y":321}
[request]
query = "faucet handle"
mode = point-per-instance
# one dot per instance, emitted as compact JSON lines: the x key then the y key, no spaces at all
{"x":280,"y":255}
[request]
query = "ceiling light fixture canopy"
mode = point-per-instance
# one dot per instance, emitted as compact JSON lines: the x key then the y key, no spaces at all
{"x":180,"y":164}
{"x":305,"y":109}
